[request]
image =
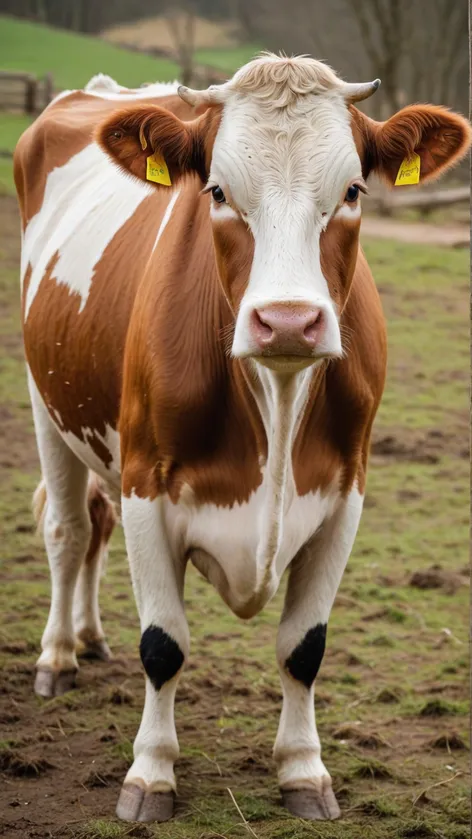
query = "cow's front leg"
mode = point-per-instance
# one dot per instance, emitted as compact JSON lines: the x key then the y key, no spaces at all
{"x":149,"y":788}
{"x":314,"y":578}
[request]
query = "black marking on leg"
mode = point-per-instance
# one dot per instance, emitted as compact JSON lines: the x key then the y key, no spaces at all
{"x":303,"y":664}
{"x":161,"y":656}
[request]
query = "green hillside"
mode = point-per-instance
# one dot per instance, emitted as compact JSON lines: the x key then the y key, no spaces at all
{"x":228,"y":59}
{"x":73,"y":59}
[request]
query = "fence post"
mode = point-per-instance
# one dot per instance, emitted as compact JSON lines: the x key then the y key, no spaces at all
{"x":48,"y":89}
{"x":30,"y":95}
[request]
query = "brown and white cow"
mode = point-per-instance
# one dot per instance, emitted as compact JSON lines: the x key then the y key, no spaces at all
{"x":214,"y":350}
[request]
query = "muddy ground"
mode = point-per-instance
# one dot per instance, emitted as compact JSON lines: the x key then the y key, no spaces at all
{"x":392,"y":695}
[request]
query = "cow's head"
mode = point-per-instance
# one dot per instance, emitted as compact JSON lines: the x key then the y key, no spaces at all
{"x":285,"y":156}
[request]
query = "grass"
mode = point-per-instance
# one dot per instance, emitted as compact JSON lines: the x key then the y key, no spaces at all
{"x":11,"y":126}
{"x":7,"y":185}
{"x":228,"y":59}
{"x":72,"y":58}
{"x":392,"y":675}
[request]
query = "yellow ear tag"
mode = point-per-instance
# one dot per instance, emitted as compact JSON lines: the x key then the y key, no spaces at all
{"x":157,"y":171}
{"x":409,"y":171}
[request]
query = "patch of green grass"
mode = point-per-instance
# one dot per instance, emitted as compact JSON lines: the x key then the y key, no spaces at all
{"x":6,"y":745}
{"x":349,"y":678}
{"x":420,"y":286}
{"x":123,"y":750}
{"x":369,"y":768}
{"x":382,"y":807}
{"x":7,"y":185}
{"x":441,"y":708}
{"x":228,"y":59}
{"x":382,"y":640}
{"x":11,"y":127}
{"x":73,"y":58}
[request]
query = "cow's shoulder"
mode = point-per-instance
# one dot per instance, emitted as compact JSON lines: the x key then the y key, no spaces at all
{"x":335,"y":432}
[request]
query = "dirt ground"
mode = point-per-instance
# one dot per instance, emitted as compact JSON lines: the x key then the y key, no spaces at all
{"x":417,"y":233}
{"x":392,"y":697}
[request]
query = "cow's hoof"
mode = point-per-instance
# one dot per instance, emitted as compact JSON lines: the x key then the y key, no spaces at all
{"x":137,"y":805}
{"x":311,"y":803}
{"x":96,"y":650}
{"x":49,"y":683}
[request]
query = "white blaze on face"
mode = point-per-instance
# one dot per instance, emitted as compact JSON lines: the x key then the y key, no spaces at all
{"x":287,"y":171}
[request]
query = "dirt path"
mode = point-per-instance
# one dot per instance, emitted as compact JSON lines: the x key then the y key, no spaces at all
{"x":454,"y":236}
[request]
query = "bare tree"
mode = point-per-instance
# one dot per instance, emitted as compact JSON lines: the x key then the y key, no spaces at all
{"x":417,"y":47}
{"x":246,"y":13}
{"x":181,"y":24}
{"x":438,"y":51}
{"x":383,"y":28}
{"x":316,"y":27}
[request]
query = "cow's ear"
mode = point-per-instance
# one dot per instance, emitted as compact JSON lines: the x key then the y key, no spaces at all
{"x":438,"y":137}
{"x":154,"y":145}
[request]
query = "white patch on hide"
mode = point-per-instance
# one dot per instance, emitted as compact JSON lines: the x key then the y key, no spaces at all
{"x":86,"y":202}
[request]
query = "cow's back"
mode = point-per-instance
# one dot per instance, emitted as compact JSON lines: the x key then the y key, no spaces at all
{"x":88,"y":233}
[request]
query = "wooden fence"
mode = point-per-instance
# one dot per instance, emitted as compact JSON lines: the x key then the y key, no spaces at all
{"x":24,"y":92}
{"x":425,"y":200}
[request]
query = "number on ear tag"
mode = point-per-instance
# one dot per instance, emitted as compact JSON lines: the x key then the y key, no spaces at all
{"x":409,"y":171}
{"x":157,"y":171}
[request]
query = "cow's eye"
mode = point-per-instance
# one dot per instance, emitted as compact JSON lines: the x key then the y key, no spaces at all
{"x":218,"y":195}
{"x":352,"y":194}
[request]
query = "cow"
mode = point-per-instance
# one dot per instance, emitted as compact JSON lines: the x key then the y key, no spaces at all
{"x":206,"y":348}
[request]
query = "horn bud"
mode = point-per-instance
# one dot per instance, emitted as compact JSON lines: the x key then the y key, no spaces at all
{"x":354,"y":92}
{"x":213,"y":95}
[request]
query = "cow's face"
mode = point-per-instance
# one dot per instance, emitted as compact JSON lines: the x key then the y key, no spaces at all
{"x":280,"y":179}
{"x":284,"y":156}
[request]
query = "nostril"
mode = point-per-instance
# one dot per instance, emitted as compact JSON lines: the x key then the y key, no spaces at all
{"x":287,"y":328}
{"x":312,"y":330}
{"x":263,"y":330}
